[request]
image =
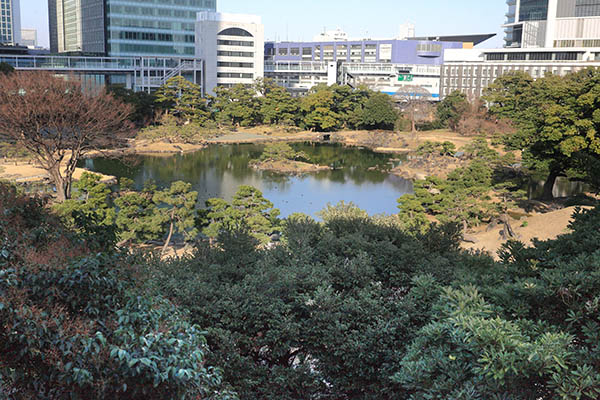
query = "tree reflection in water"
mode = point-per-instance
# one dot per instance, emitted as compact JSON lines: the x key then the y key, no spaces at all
{"x":359,"y":176}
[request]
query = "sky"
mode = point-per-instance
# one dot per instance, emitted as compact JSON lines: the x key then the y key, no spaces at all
{"x":301,"y":20}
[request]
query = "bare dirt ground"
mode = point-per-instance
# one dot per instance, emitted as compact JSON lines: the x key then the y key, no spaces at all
{"x":288,"y":167}
{"x":543,"y":226}
{"x":25,"y":171}
{"x":150,"y":147}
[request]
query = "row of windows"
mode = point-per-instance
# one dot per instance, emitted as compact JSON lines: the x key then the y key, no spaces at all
{"x":151,"y":12}
{"x":235,"y":64}
{"x":492,"y":73}
{"x":151,"y":24}
{"x":235,"y":53}
{"x":577,"y":43}
{"x":535,"y":56}
{"x":206,"y":4}
{"x":161,"y":37}
{"x":235,"y":43}
{"x":429,"y":47}
{"x":587,"y":8}
{"x":129,"y":48}
{"x":234,"y":75}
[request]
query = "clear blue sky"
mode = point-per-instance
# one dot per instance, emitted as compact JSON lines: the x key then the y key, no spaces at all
{"x":301,"y":20}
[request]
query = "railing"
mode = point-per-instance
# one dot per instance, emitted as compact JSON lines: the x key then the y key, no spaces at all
{"x":305,"y":66}
{"x":71,"y":63}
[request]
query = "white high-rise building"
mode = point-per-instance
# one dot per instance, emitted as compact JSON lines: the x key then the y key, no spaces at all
{"x":406,"y":31}
{"x":10,"y":22}
{"x":232,"y":48}
{"x":552,"y":23}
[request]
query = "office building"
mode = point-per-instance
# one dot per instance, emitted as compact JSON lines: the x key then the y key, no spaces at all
{"x":552,"y":23}
{"x":76,"y":26}
{"x":470,"y":72}
{"x":10,"y":22}
{"x":153,"y":27}
{"x":29,"y":38}
{"x":399,"y":67}
{"x":542,"y":36}
{"x":162,"y":28}
{"x":231,"y":47}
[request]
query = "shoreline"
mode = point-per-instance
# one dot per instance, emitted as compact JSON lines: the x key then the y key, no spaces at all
{"x":385,"y":142}
{"x":287,"y":166}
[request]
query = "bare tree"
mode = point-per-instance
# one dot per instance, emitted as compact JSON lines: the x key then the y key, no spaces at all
{"x":59,"y":122}
{"x":414,"y":103}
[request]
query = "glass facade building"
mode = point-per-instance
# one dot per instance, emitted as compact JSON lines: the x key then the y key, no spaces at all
{"x":10,"y":22}
{"x":76,"y":26}
{"x":153,"y":27}
{"x":533,"y":10}
{"x":552,"y":23}
{"x":587,"y":8}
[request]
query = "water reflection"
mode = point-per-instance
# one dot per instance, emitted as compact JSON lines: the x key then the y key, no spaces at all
{"x":563,"y":187}
{"x":217,"y":171}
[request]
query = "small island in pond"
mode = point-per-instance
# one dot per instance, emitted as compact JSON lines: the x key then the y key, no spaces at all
{"x":281,"y":157}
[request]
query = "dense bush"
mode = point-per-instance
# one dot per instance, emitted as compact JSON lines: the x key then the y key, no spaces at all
{"x":326,"y":314}
{"x":356,"y":308}
{"x":73,"y":324}
{"x":353,"y":307}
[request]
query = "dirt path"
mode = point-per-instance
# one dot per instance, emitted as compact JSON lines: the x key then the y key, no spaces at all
{"x":29,"y":172}
{"x":541,"y":226}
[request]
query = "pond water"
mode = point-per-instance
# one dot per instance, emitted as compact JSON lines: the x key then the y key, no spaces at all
{"x":360,"y":176}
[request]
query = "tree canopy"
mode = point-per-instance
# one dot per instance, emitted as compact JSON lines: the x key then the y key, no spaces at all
{"x":58,"y":122}
{"x":557,"y":119}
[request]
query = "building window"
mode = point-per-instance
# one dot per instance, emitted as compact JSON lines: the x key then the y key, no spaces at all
{"x":566,"y":56}
{"x":234,"y":53}
{"x":517,"y":56}
{"x":587,"y":8}
{"x":540,"y":56}
{"x":495,"y":56}
{"x":295,"y":51}
{"x":429,"y":47}
{"x":282,"y":51}
{"x":235,"y":43}
{"x":307,"y":53}
{"x":235,"y":32}
{"x":234,"y":64}
{"x":234,"y":75}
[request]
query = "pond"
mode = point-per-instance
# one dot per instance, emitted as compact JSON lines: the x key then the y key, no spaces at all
{"x":360,"y":176}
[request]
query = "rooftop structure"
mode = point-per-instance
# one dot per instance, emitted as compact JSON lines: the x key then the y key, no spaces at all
{"x":337,"y":35}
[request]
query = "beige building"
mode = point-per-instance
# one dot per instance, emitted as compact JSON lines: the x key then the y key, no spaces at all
{"x":471,"y":71}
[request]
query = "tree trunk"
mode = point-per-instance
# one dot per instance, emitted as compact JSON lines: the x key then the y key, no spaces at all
{"x":164,"y":249}
{"x":62,"y":189}
{"x":549,"y":184}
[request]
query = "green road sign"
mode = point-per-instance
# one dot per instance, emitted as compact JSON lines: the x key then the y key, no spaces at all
{"x":405,"y":78}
